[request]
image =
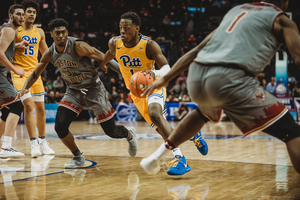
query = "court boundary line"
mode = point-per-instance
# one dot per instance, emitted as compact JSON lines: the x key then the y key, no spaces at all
{"x":59,"y":172}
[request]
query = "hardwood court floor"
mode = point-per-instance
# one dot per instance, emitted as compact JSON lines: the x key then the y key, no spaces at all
{"x":255,"y":167}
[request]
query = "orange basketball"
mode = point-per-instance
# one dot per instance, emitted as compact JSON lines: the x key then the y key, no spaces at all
{"x":138,"y":82}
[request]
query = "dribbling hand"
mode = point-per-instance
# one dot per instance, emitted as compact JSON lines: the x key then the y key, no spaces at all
{"x":157,"y":84}
{"x":147,"y":71}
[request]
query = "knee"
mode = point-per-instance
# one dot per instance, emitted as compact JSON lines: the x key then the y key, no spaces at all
{"x":40,"y":110}
{"x":28,"y":107}
{"x":155,"y":116}
{"x":61,"y":128}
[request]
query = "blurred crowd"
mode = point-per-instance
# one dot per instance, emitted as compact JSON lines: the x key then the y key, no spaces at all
{"x":176,"y":25}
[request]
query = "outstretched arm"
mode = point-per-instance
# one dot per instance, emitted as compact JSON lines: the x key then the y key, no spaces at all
{"x":84,"y":49}
{"x":109,"y":55}
{"x":35,"y":74}
{"x":180,"y":66}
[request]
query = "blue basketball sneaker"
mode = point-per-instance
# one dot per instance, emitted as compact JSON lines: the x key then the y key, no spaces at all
{"x":179,"y":166}
{"x":200,"y":143}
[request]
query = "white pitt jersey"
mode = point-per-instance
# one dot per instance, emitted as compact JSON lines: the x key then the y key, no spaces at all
{"x":244,"y":38}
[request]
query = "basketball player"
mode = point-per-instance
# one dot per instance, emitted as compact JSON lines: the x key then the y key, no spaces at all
{"x":221,"y":71}
{"x":27,"y":59}
{"x":10,"y":110}
{"x":73,"y":58}
{"x":135,"y":52}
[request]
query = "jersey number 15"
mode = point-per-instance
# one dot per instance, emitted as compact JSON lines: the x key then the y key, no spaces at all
{"x":29,"y":51}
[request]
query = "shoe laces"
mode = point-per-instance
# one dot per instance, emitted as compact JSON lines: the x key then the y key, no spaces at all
{"x":197,"y":142}
{"x":174,"y":162}
{"x":11,"y":149}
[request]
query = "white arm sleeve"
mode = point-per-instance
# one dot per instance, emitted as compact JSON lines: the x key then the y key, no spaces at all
{"x":163,"y":71}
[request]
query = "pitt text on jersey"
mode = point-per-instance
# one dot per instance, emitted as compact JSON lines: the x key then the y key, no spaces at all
{"x":134,"y":62}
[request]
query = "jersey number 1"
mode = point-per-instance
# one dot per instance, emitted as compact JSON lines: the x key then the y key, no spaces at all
{"x":236,"y":21}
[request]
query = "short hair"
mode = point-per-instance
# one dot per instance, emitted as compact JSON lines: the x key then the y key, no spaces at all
{"x":33,"y":4}
{"x":13,"y":7}
{"x":57,"y":23}
{"x":133,"y":16}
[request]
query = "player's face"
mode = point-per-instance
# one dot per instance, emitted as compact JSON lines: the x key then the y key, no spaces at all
{"x":30,"y":15}
{"x":128,"y":31}
{"x":60,"y":36}
{"x":18,"y":17}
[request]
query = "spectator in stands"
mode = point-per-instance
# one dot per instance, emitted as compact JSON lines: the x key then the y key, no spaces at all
{"x":144,"y":12}
{"x":49,"y":84}
{"x":271,"y":86}
{"x":166,"y":20}
{"x":178,"y":89}
{"x":186,"y":98}
{"x":182,"y":78}
{"x":58,"y":84}
{"x":114,"y":95}
{"x":181,"y":112}
{"x":50,"y":98}
{"x":122,"y":98}
{"x":57,"y":97}
{"x":264,"y":84}
{"x":172,"y":98}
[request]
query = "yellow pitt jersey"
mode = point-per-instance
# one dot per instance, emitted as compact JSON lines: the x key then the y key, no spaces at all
{"x":27,"y":59}
{"x":132,"y":60}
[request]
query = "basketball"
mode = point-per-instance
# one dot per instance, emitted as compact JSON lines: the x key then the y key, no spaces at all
{"x":138,"y":82}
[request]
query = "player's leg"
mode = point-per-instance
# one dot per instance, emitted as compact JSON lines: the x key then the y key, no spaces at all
{"x":63,"y":119}
{"x":30,"y":124}
{"x":39,"y":106}
{"x":4,"y":114}
{"x":10,"y":114}
{"x":10,"y":119}
{"x":287,"y":130}
{"x":185,"y":129}
{"x":119,"y":131}
{"x":96,"y":99}
{"x":155,"y":117}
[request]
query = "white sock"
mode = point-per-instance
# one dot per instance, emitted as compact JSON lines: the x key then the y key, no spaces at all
{"x":33,"y":142}
{"x":41,"y":140}
{"x":161,"y":153}
{"x":6,"y":142}
{"x":177,"y":152}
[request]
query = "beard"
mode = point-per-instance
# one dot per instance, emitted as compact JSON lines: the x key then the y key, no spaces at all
{"x":14,"y":21}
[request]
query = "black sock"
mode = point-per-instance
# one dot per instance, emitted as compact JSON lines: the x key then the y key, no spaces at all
{"x":43,"y":137}
{"x":76,"y":152}
{"x":31,"y":139}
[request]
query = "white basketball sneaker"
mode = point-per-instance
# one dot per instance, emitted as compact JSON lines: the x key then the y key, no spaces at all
{"x":150,"y":164}
{"x":35,"y":150}
{"x":76,"y":162}
{"x":10,"y":152}
{"x":45,"y":149}
{"x":133,"y":145}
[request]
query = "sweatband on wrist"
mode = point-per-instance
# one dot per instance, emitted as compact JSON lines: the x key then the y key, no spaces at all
{"x":163,"y":71}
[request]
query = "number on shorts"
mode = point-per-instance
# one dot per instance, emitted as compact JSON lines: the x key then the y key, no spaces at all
{"x":236,"y":21}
